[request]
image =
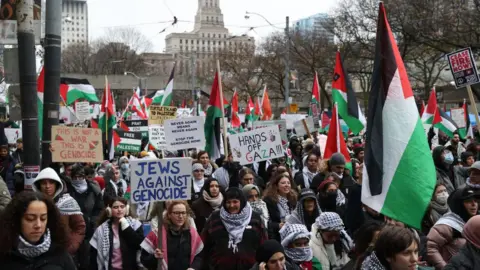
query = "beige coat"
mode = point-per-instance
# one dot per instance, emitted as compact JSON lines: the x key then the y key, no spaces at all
{"x":441,"y":246}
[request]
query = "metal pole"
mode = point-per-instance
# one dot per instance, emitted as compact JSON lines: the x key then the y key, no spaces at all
{"x":28,"y":82}
{"x":194,"y":78}
{"x":53,"y":28}
{"x":286,"y":81}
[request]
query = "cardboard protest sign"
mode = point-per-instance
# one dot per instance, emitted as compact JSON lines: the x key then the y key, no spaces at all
{"x":160,"y":179}
{"x":158,"y":114}
{"x":185,"y":133}
{"x":137,"y":126}
{"x":75,"y":144}
{"x":458,"y":116}
{"x":282,"y":126}
{"x":256,"y":145}
{"x":157,"y":137}
{"x":31,"y":172}
{"x":300,"y":128}
{"x":82,"y":110}
{"x":127,"y":141}
{"x":463,"y":67}
{"x":13,"y":134}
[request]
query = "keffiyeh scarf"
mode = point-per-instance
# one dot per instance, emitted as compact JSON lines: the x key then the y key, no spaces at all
{"x":68,"y":206}
{"x":101,"y":241}
{"x":283,"y":207}
{"x":208,"y":169}
{"x":307,"y":177}
{"x":216,"y":202}
{"x":300,"y":254}
{"x":235,"y":225}
{"x":372,"y":263}
{"x":340,"y":198}
{"x":31,"y":251}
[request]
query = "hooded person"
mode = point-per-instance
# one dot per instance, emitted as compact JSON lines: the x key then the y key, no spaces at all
{"x":232,"y":235}
{"x":304,"y":178}
{"x":253,"y":195}
{"x":124,"y":166}
{"x":306,"y":211}
{"x":443,"y":160}
{"x":271,"y":255}
{"x":210,"y":201}
{"x":336,"y":165}
{"x":473,"y":179}
{"x":468,"y":258}
{"x":198,"y":180}
{"x":295,"y":239}
{"x":48,"y":182}
{"x":445,"y":238}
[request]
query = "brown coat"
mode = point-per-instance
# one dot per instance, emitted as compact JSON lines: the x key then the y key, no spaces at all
{"x":442,"y":245}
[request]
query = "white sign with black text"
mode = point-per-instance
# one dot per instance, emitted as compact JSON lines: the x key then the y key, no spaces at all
{"x":185,"y":133}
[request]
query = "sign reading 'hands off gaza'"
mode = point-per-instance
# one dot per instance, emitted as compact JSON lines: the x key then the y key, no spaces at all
{"x":256,"y":145}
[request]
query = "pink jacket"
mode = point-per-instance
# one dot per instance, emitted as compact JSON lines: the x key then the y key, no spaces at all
{"x":441,"y":246}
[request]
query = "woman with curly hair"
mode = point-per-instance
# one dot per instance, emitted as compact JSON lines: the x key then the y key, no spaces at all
{"x":32,"y":235}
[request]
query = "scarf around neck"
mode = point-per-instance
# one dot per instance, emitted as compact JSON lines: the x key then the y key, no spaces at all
{"x":299,"y":255}
{"x":31,"y":251}
{"x":474,"y":186}
{"x":439,"y":209}
{"x":307,"y":176}
{"x":80,"y":185}
{"x":216,"y":202}
{"x":198,"y":185}
{"x":208,"y":169}
{"x":283,"y":207}
{"x":235,"y":224}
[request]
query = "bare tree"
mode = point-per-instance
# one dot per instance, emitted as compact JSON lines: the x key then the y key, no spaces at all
{"x":78,"y":58}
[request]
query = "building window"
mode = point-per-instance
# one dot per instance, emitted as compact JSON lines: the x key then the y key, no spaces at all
{"x":180,"y":41}
{"x":198,"y":41}
{"x":225,"y":35}
{"x":203,"y":42}
{"x":203,"y":34}
{"x":191,"y":41}
{"x":216,"y":18}
{"x":213,"y":35}
{"x":213,"y":42}
{"x":207,"y":18}
{"x":208,"y":35}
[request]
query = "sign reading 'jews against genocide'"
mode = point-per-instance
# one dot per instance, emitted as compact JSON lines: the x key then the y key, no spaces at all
{"x":256,"y":145}
{"x":161,"y":179}
{"x":185,"y":133}
{"x":463,"y":67}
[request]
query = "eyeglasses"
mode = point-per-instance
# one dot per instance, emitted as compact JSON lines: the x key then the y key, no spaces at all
{"x":178,"y":214}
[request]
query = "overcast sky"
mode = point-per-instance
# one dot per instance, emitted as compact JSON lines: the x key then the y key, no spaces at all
{"x":145,"y":15}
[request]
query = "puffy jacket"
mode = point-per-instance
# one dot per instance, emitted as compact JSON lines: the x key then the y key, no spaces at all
{"x":319,"y":250}
{"x":5,"y":197}
{"x":442,"y":243}
{"x":51,"y":260}
{"x":468,"y":258}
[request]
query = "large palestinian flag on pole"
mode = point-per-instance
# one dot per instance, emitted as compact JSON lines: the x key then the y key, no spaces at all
{"x":399,"y":175}
{"x":212,"y":121}
{"x":72,"y":89}
{"x":335,"y":140}
{"x":40,"y":91}
{"x":344,"y":95}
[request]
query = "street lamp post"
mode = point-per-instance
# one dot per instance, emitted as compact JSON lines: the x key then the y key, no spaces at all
{"x":140,"y":80}
{"x":193,"y":64}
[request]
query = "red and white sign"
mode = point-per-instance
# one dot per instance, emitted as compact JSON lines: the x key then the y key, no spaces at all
{"x":463,"y":67}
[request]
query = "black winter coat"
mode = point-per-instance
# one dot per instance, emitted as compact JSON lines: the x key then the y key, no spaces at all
{"x":54,"y":259}
{"x":202,"y":211}
{"x":468,"y":258}
{"x":275,"y":219}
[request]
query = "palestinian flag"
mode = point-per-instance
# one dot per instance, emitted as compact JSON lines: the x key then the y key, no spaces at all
{"x":336,"y":141}
{"x":127,"y":141}
{"x":422,"y":109}
{"x":315,"y":96}
{"x":398,"y":175}
{"x":154,"y":98}
{"x":463,"y":132}
{"x":168,"y":94}
{"x":235,"y":119}
{"x":250,"y":111}
{"x":344,"y":95}
{"x":212,"y":121}
{"x":325,"y":120}
{"x":447,"y":125}
{"x":431,"y":114}
{"x":72,"y":89}
{"x":107,"y":112}
{"x":136,"y":105}
{"x":40,"y":90}
{"x":266,"y":107}
{"x":257,"y":111}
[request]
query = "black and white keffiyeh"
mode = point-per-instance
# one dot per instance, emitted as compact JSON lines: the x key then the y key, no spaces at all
{"x":307,"y":176}
{"x":68,"y":206}
{"x":291,"y":232}
{"x":208,"y":169}
{"x":31,"y":251}
{"x":283,"y":207}
{"x":235,"y":224}
{"x":329,"y":221}
{"x":101,"y":241}
{"x":340,"y":198}
{"x":372,"y":263}
{"x":299,"y":254}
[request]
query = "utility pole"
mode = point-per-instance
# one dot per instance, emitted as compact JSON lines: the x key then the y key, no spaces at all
{"x":28,"y":82}
{"x":53,"y":40}
{"x":286,"y":81}
{"x":193,"y":58}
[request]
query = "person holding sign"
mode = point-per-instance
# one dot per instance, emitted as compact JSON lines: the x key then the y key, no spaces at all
{"x":181,"y":244}
{"x":233,"y":234}
{"x":117,"y":239}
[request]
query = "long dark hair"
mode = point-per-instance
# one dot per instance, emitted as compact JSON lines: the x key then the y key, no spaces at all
{"x":11,"y":221}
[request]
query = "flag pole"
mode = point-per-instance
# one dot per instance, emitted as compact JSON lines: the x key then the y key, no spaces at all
{"x":473,"y":104}
{"x":107,"y":90}
{"x":225,"y":142}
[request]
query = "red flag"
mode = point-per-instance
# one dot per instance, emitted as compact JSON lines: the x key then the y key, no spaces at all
{"x":422,"y":109}
{"x":258,"y":110}
{"x":184,"y":103}
{"x":432,"y":110}
{"x":315,"y":90}
{"x":235,"y":119}
{"x":335,"y":141}
{"x":250,"y":106}
{"x":266,"y":107}
{"x":325,"y":120}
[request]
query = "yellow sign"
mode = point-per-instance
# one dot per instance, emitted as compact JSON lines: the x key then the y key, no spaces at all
{"x":158,"y":114}
{"x":293,"y":107}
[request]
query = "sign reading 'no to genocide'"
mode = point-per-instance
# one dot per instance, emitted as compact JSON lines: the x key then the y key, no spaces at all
{"x":256,"y":145}
{"x":161,"y":179}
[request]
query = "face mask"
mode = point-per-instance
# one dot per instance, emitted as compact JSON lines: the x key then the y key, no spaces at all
{"x":442,"y":198}
{"x":125,"y":166}
{"x":449,"y":158}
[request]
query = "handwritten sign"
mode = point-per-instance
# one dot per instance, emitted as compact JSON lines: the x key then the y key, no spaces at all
{"x":256,"y":145}
{"x":282,"y":127}
{"x":82,"y":110}
{"x":161,"y":179}
{"x":13,"y":134}
{"x":158,"y":114}
{"x":74,"y":144}
{"x":127,"y":141}
{"x":185,"y":133}
{"x":458,"y":116}
{"x":184,"y":112}
{"x":138,"y":126}
{"x":157,"y":137}
{"x":463,"y":67}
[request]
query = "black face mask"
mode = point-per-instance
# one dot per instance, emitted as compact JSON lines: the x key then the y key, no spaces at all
{"x":329,"y":202}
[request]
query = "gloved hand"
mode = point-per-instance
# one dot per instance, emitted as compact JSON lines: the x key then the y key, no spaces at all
{"x":124,"y":223}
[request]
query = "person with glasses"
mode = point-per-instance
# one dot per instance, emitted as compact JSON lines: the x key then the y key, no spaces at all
{"x":295,"y":240}
{"x":181,"y":244}
{"x":210,"y":201}
{"x":116,"y":241}
{"x":198,"y":175}
{"x":254,"y":197}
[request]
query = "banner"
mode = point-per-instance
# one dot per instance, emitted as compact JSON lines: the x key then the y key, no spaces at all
{"x":458,"y":116}
{"x":127,"y":141}
{"x":13,"y":134}
{"x":8,"y":21}
{"x":185,"y":133}
{"x":82,"y":111}
{"x":138,"y":126}
{"x":157,"y":137}
{"x":75,"y":144}
{"x":161,"y":179}
{"x":300,"y":128}
{"x":158,"y":114}
{"x":256,"y":145}
{"x":282,"y":127}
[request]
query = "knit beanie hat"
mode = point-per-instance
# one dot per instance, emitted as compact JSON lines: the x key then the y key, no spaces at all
{"x":267,"y":249}
{"x":471,"y":231}
{"x":234,"y":193}
{"x":337,"y":159}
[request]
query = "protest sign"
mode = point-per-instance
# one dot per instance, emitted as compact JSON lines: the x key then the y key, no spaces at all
{"x":75,"y":144}
{"x":160,"y":179}
{"x":82,"y":110}
{"x":282,"y":127}
{"x":137,"y":126}
{"x":185,"y":133}
{"x":463,"y":67}
{"x":31,"y":172}
{"x":157,"y":137}
{"x":158,"y":114}
{"x":256,"y":145}
{"x":184,"y":112}
{"x":292,"y":118}
{"x":300,"y":128}
{"x":127,"y":141}
{"x":458,"y":116}
{"x":13,"y":134}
